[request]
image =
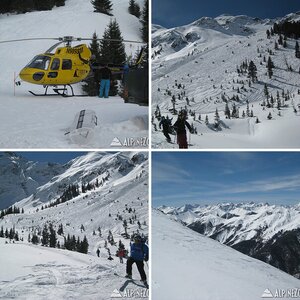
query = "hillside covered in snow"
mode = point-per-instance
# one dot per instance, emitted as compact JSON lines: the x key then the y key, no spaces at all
{"x":266,"y":232}
{"x":44,"y":122}
{"x":187,"y":265}
{"x":99,"y":197}
{"x":203,"y":68}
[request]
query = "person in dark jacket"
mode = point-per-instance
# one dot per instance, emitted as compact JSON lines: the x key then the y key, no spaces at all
{"x":105,"y":75}
{"x":165,"y":123}
{"x":179,"y":126}
{"x":139,"y":253}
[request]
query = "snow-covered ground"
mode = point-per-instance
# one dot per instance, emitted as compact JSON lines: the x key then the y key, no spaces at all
{"x":203,"y":58}
{"x":35,"y":272}
{"x":187,"y":265}
{"x":40,"y":273}
{"x":41,"y":122}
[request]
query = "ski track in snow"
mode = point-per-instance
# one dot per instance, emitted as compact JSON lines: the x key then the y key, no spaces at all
{"x":80,"y":275}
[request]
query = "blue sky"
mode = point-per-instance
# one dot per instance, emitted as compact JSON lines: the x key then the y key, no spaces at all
{"x":180,"y":178}
{"x":54,"y":157}
{"x":172,"y":13}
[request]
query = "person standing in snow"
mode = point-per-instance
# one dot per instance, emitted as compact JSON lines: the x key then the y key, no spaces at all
{"x":138,"y":254}
{"x":179,"y":126}
{"x":98,"y":252}
{"x":121,"y":254}
{"x":165,"y":123}
{"x":105,"y":75}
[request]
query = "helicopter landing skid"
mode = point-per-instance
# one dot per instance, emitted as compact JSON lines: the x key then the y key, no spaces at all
{"x":63,"y":91}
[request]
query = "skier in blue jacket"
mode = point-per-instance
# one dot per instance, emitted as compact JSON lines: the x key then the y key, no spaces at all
{"x":139,"y":253}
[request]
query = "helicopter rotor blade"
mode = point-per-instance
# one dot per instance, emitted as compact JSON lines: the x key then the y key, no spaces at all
{"x":114,"y":40}
{"x":28,"y":39}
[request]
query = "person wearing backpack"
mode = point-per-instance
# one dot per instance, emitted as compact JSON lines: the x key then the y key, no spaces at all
{"x":165,"y":123}
{"x":179,"y":127}
{"x":139,"y":253}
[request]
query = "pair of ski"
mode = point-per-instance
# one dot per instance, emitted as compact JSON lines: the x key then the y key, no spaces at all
{"x":137,"y":282}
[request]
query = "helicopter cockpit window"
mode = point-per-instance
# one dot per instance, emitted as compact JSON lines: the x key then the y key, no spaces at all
{"x":67,"y":64}
{"x":39,"y":62}
{"x":55,"y":64}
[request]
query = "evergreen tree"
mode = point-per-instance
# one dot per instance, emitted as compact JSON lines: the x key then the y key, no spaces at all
{"x":227,"y":111}
{"x":234,"y":113}
{"x":11,"y":233}
{"x":217,"y":118}
{"x":84,"y":246}
{"x":22,"y":6}
{"x":60,"y":3}
{"x":145,"y":22}
{"x":297,"y":52}
{"x":45,"y":236}
{"x":5,"y":6}
{"x":252,"y":71}
{"x":270,"y":67}
{"x":134,"y":8}
{"x":248,"y":110}
{"x":60,"y":230}
{"x":52,"y":237}
{"x":44,"y":4}
{"x":102,"y":6}
{"x":266,"y":91}
{"x":92,"y":82}
{"x":112,"y":50}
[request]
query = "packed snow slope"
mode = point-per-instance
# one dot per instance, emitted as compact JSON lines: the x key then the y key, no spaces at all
{"x":41,"y":122}
{"x":187,"y":265}
{"x":35,"y":272}
{"x":199,"y":61}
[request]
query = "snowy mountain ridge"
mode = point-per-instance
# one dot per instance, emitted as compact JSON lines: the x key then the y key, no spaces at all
{"x":244,"y":219}
{"x":19,"y":177}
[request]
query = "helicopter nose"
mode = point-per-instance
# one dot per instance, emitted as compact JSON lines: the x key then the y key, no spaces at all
{"x":25,"y":75}
{"x":31,"y":76}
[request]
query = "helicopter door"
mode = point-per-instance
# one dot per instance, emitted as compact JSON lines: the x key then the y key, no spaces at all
{"x":67,"y":72}
{"x":53,"y":68}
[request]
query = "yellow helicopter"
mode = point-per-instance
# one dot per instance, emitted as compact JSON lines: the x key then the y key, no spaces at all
{"x":66,"y":66}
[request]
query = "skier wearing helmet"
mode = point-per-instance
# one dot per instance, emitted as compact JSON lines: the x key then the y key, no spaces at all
{"x":138,"y":254}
